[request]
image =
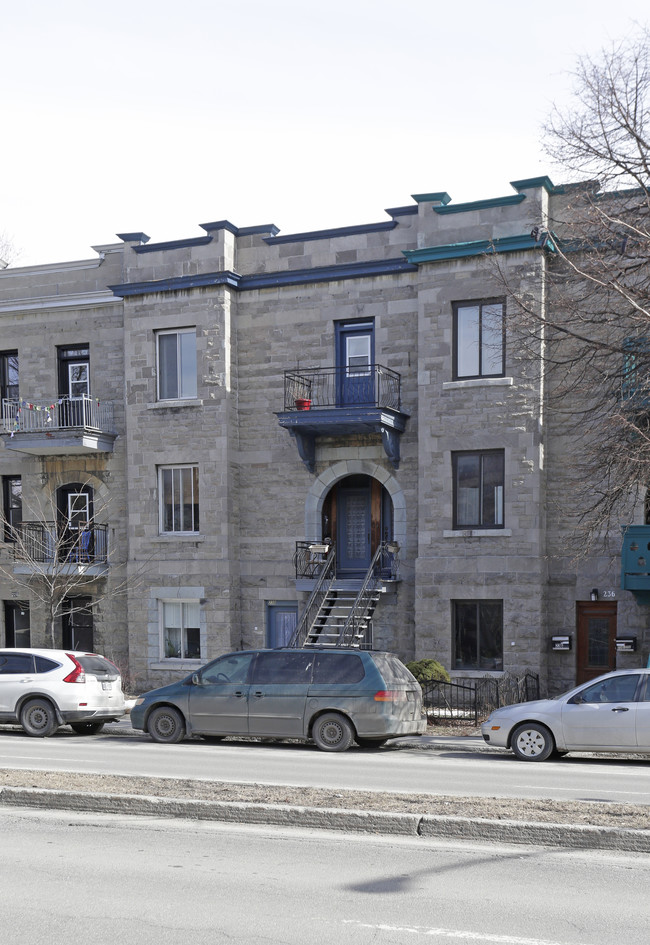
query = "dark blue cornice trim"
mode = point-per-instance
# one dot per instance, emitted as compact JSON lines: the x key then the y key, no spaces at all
{"x":379,"y":267}
{"x":506,"y":244}
{"x":481,"y":204}
{"x":409,"y":211}
{"x":133,"y":237}
{"x":173,"y":285}
{"x":268,"y":280}
{"x":332,"y":234}
{"x":240,"y":230}
{"x":173,"y":244}
{"x":220,"y":225}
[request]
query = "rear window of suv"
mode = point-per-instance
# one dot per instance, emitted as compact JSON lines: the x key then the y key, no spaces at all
{"x":338,"y":668}
{"x":392,"y":670}
{"x":95,"y":665}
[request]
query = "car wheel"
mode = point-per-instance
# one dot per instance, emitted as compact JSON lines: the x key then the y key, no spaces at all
{"x":166,"y":725}
{"x":370,"y":742}
{"x":38,"y":718}
{"x":532,"y":742}
{"x":86,"y":728}
{"x":332,"y":732}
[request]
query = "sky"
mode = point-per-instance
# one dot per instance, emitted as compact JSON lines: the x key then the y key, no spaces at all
{"x":157,"y":115}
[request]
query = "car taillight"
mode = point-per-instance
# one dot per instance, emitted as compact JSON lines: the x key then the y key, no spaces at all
{"x":391,"y":695}
{"x":77,"y":675}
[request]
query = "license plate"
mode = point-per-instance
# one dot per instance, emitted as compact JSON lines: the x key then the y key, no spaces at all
{"x":107,"y":685}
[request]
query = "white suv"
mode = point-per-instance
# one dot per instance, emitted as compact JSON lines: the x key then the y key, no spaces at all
{"x":42,"y":689}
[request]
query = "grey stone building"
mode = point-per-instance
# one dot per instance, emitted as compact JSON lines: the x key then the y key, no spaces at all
{"x":194,"y":432}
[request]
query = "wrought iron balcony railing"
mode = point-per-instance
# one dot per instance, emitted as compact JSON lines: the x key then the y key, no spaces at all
{"x":61,"y":413}
{"x":57,"y":543}
{"x":330,"y":387}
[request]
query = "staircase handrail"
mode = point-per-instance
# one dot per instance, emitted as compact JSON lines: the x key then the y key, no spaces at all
{"x":373,"y":578}
{"x":326,"y":577}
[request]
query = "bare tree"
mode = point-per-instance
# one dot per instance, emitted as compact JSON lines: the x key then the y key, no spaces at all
{"x":591,"y":335}
{"x":8,"y":251}
{"x":55,"y":559}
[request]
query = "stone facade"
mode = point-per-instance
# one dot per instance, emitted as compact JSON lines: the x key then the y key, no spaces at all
{"x":257,"y":304}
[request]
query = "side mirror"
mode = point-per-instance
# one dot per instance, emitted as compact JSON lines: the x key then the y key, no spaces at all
{"x":576,"y":700}
{"x":196,"y":679}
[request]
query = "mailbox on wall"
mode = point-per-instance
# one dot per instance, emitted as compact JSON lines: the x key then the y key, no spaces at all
{"x":561,"y":643}
{"x":626,"y":644}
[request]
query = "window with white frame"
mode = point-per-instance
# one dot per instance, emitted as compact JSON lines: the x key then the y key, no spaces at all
{"x":176,"y":356}
{"x":178,"y":488}
{"x":479,"y":339}
{"x":180,"y":629}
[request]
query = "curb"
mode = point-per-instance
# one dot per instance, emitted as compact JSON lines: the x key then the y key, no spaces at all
{"x":376,"y":822}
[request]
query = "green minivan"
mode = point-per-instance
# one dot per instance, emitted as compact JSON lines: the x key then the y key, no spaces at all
{"x":332,"y":695}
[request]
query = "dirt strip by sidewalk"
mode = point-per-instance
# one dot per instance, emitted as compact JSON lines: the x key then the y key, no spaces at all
{"x":584,"y":813}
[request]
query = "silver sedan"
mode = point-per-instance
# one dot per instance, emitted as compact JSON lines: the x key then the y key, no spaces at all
{"x":611,"y":713}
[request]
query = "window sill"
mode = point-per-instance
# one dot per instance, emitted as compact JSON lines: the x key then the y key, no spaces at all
{"x":179,"y":536}
{"x":175,"y":404}
{"x":478,"y":382}
{"x":176,"y":664}
{"x":477,"y":533}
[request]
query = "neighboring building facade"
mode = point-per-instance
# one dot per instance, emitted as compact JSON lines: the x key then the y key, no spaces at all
{"x":201,"y":415}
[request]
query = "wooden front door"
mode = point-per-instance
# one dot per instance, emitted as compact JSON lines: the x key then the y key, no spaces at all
{"x":596,"y":636}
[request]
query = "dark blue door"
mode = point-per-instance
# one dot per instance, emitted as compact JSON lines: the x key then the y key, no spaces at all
{"x":355,"y":363}
{"x":353,"y":541}
{"x":281,"y":621}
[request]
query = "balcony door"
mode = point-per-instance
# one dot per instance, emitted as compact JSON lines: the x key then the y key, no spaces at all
{"x":74,"y":384}
{"x":355,"y":354}
{"x":75,"y":512}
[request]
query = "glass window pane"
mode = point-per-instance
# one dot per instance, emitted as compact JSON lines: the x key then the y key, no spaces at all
{"x":490,"y":635}
{"x":467,"y":334}
{"x":167,"y":500}
{"x":492,"y":339}
{"x":466,"y":636}
{"x":467,"y":490}
{"x":492,"y":489}
{"x":187,"y":499}
{"x":188,"y":364}
{"x":167,"y":367}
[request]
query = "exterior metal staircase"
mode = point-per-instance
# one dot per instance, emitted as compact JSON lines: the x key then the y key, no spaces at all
{"x":339,"y":612}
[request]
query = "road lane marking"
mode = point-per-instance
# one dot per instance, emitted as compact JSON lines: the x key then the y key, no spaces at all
{"x":454,"y":933}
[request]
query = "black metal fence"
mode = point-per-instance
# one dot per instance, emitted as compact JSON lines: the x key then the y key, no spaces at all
{"x":471,"y":700}
{"x":312,"y":388}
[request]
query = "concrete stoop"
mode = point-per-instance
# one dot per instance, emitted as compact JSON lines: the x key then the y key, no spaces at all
{"x":372,"y":822}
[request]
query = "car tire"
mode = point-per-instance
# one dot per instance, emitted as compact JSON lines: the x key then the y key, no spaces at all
{"x":332,"y":732}
{"x":166,"y":725}
{"x":532,"y":741}
{"x":86,"y":728}
{"x":38,"y":718}
{"x":370,"y":742}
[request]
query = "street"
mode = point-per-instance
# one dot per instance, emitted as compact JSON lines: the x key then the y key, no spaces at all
{"x":403,"y":768}
{"x":75,"y":879}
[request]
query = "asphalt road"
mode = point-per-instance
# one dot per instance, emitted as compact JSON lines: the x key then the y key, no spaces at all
{"x":404,"y":768}
{"x":74,"y":879}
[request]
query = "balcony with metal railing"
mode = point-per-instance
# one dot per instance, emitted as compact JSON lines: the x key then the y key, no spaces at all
{"x":64,"y":425}
{"x":57,"y":548}
{"x":340,"y":402}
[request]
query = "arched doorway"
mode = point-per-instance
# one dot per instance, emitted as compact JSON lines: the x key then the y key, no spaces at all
{"x":357,"y":514}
